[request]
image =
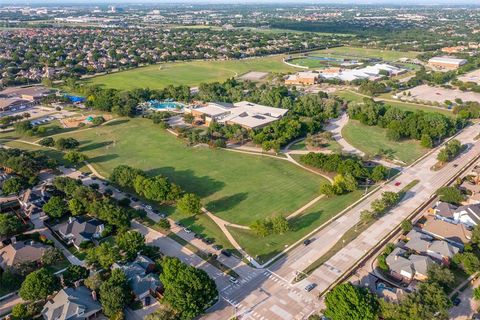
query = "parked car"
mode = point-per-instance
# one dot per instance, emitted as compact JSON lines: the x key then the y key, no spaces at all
{"x":149,"y":207}
{"x":226,"y":253}
{"x":310,"y":287}
{"x":233,"y":280}
{"x":187,"y":230}
{"x":397,"y":184}
{"x":456,"y":301}
{"x":306,"y":242}
{"x":216,"y":247}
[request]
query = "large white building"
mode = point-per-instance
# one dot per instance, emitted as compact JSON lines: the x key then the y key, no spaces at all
{"x":369,"y":72}
{"x":446,"y":63}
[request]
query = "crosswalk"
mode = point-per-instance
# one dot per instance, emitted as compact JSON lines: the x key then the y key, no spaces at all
{"x":245,"y":310}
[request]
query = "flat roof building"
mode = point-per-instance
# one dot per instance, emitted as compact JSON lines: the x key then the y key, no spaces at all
{"x":302,"y":78}
{"x":446,"y":63}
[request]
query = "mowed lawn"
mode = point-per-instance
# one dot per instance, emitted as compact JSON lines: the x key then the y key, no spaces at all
{"x":188,"y":73}
{"x":239,"y":188}
{"x":363,"y":53}
{"x":355,"y":132}
{"x":301,"y":225}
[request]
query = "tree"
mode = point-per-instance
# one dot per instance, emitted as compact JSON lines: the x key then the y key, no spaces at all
{"x":104,"y":255}
{"x":55,"y":207}
{"x":441,"y":276}
{"x":38,"y":285}
{"x":188,"y":118}
{"x":346,"y":301}
{"x":280,"y":225}
{"x":468,"y":260}
{"x":75,"y":157}
{"x":379,"y":173}
{"x":476,"y":293}
{"x":366,"y":216}
{"x":98,"y":121}
{"x":9,"y":280}
{"x":261,"y":227}
{"x":94,"y":281}
{"x":73,"y":274}
{"x":451,"y":195}
{"x":163,"y":313}
{"x":327,"y":189}
{"x":426,"y":141}
{"x":406,"y":225}
{"x":66,"y":143}
{"x":188,"y":290}
{"x":13,"y":186}
{"x":114,"y":293}
{"x":51,"y":256}
{"x":9,"y":225}
{"x":24,"y":311}
{"x":190,"y":204}
{"x":76,"y":207}
{"x":164,"y":224}
{"x":47,"y":142}
{"x":131,"y":242}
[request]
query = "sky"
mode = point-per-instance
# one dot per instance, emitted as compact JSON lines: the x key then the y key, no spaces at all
{"x":405,"y":2}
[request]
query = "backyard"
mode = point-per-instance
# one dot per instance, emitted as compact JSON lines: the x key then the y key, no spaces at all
{"x":188,"y":73}
{"x":378,"y":143}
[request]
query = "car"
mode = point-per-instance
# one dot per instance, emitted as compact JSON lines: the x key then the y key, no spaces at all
{"x":134,"y":199}
{"x":233,"y":280}
{"x":310,"y":287}
{"x":456,"y":301}
{"x":397,"y":183}
{"x":306,"y":242}
{"x":198,"y":236}
{"x":149,"y":207}
{"x":162,"y":216}
{"x":216,"y":247}
{"x":455,"y":165}
{"x":226,"y":253}
{"x":187,"y":230}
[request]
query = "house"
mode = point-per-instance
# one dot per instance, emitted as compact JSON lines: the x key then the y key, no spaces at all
{"x":422,"y":243}
{"x":21,"y":251}
{"x":302,"y":78}
{"x":31,"y":202}
{"x":80,"y":229}
{"x":456,"y":234}
{"x":469,"y":215}
{"x":446,"y":63}
{"x":143,"y":282}
{"x":444,"y":211}
{"x":413,"y":267}
{"x":72,"y":303}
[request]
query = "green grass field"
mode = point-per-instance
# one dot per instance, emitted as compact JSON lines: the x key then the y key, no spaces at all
{"x":301,"y":226}
{"x":364,"y":53}
{"x":188,"y":73}
{"x":353,"y":97}
{"x":239,"y":188}
{"x":355,"y":132}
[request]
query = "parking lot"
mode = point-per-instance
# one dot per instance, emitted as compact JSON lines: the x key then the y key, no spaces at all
{"x":427,"y":93}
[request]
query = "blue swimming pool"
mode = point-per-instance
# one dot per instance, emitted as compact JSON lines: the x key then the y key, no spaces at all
{"x":164,"y":105}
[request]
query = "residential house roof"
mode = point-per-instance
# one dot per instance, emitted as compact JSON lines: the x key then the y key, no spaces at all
{"x":71,"y":303}
{"x":445,"y":209}
{"x":21,"y":251}
{"x":141,"y":281}
{"x":410,"y":266}
{"x":80,"y":229}
{"x":443,"y":248}
{"x":454,"y":233}
{"x":471,"y":210}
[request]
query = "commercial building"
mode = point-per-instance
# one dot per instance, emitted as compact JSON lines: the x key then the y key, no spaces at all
{"x":373,"y":73}
{"x":446,"y":63}
{"x":302,"y":78}
{"x":246,"y":114}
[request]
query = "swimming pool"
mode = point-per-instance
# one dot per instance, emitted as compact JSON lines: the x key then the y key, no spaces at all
{"x":166,"y":105}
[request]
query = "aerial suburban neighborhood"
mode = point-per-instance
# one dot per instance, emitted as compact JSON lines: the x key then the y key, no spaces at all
{"x":240,"y":161}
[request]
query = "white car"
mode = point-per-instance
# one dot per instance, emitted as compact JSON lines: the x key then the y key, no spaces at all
{"x":233,"y":280}
{"x":187,"y":230}
{"x":149,"y":207}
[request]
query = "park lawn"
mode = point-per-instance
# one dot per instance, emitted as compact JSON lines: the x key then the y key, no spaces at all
{"x":239,"y":188}
{"x":310,"y":63}
{"x":188,"y":73}
{"x":354,"y":97}
{"x":364,"y":53}
{"x":378,"y":143}
{"x":332,"y":145}
{"x":263,"y":249}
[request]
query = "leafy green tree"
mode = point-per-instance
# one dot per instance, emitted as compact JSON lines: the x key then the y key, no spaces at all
{"x":94,"y":281}
{"x":188,"y":290}
{"x":9,"y":225}
{"x":114,"y":293}
{"x":327,"y":189}
{"x":75,"y":157}
{"x":47,"y":142}
{"x":73,"y":274}
{"x":55,"y":207}
{"x":51,"y":256}
{"x":103,"y":256}
{"x":476,"y":293}
{"x":261,"y":227}
{"x":130,"y":242}
{"x":468,"y":260}
{"x":407,"y":225}
{"x":66,"y":143}
{"x":451,"y":195}
{"x":38,"y":285}
{"x":76,"y":207}
{"x":124,"y":176}
{"x":379,"y":173}
{"x":426,"y":141}
{"x":10,"y":280}
{"x":442,"y":276}
{"x":13,"y":186}
{"x":190,"y":204}
{"x":98,"y":121}
{"x":164,"y":224}
{"x":346,"y":301}
{"x":24,"y":311}
{"x":280,"y":225}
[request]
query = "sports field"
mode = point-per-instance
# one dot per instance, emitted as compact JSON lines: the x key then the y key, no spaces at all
{"x":237,"y":187}
{"x":188,"y":73}
{"x":378,"y":143}
{"x":364,"y":53}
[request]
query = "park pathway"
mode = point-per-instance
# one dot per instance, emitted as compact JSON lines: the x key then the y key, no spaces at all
{"x":335,"y":127}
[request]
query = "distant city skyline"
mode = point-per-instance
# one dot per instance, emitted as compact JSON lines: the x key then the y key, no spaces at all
{"x":323,"y":2}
